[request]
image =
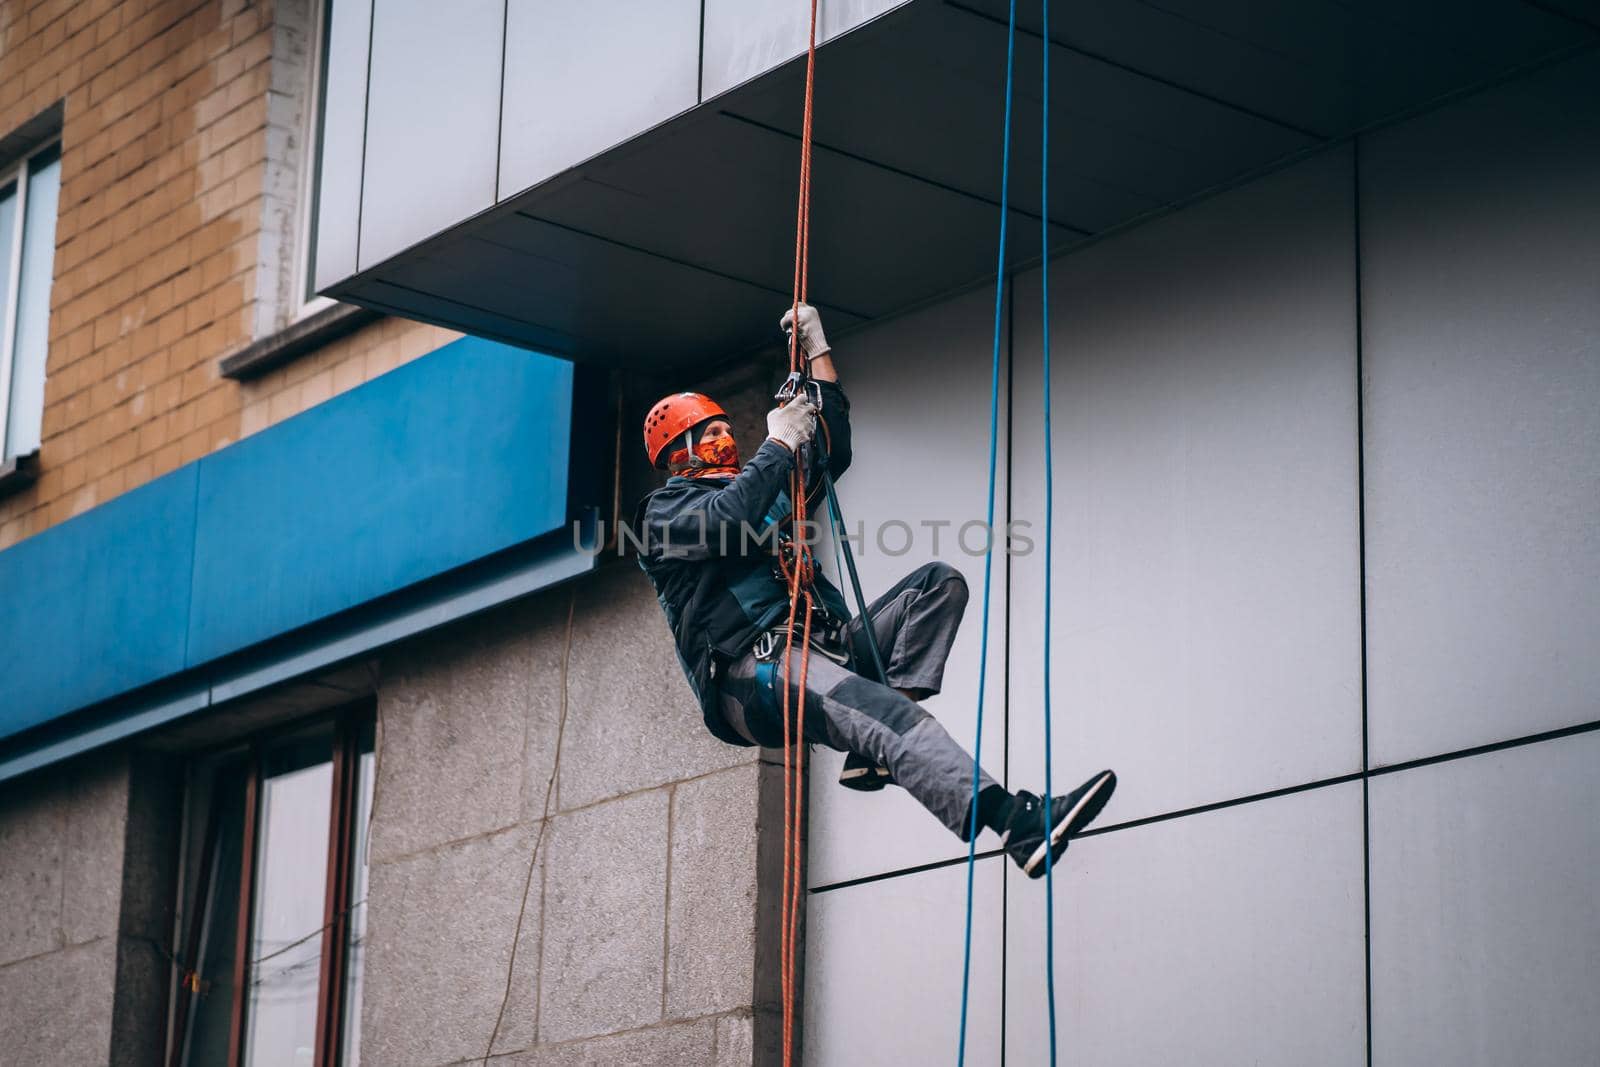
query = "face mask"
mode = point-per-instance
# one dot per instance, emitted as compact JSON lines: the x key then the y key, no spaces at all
{"x":720,"y":456}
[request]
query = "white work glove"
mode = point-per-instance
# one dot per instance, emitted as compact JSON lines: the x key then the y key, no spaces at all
{"x":793,"y":424}
{"x":812,"y":342}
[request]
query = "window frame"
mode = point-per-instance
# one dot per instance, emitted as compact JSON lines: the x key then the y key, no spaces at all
{"x":350,"y":725}
{"x":307,"y":302}
{"x":18,"y":170}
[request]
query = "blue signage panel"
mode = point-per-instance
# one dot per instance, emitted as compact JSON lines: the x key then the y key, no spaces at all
{"x":441,"y":462}
{"x":96,"y":605}
{"x":435,"y":464}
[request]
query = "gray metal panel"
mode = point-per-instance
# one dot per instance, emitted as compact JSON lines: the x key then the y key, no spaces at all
{"x":344,"y":126}
{"x":1232,"y":937}
{"x":1481,"y":312}
{"x":744,"y":38}
{"x":1320,"y":66}
{"x":883,"y":970}
{"x":1153,"y":105}
{"x":1206,"y":632}
{"x":560,"y":286}
{"x":1123,"y":143}
{"x":424,"y":307}
{"x":1485,"y":918}
{"x":1579,"y":13}
{"x":883,"y":236}
{"x":919,"y":394}
{"x":433,"y":119}
{"x":580,"y":78}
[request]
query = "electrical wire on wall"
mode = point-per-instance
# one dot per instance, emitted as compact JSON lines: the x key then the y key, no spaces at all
{"x":544,"y":820}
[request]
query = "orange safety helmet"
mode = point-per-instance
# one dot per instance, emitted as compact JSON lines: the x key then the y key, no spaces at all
{"x":674,"y":416}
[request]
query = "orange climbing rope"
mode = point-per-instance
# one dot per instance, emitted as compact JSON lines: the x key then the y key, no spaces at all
{"x":798,"y":571}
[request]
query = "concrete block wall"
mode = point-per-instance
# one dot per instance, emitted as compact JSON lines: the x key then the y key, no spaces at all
{"x":61,"y":844}
{"x":171,"y":167}
{"x":553,"y":749}
{"x":87,"y":855}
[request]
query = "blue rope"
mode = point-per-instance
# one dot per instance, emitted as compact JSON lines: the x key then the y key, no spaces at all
{"x":837,"y":521}
{"x":1049,"y":529}
{"x":988,"y":557}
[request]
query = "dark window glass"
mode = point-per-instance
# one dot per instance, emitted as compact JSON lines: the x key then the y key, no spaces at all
{"x":277,"y":842}
{"x":209,"y":987}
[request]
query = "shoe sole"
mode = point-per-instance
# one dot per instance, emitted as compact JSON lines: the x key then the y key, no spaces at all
{"x":865,"y":779}
{"x":1080,"y":815}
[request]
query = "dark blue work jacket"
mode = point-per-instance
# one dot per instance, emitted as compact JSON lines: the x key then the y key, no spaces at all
{"x":710,"y":549}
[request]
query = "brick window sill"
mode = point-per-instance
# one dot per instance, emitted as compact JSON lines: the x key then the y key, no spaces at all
{"x":19,"y":472}
{"x":295,"y":340}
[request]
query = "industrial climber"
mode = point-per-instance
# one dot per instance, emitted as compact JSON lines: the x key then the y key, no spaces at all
{"x":712,"y":537}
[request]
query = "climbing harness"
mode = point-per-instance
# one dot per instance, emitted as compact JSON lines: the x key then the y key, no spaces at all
{"x":771,"y":645}
{"x":828,"y":638}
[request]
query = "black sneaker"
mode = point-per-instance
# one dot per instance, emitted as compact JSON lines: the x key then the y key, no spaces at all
{"x":862,"y":775}
{"x":1024,"y":839}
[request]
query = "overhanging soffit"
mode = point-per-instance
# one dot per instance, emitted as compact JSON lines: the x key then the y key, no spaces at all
{"x":674,"y":250}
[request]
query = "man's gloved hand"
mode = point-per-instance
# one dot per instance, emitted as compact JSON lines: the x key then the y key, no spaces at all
{"x":793,"y":424}
{"x":812,"y":342}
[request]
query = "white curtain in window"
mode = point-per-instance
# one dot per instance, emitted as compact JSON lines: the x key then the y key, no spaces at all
{"x":31,"y":340}
{"x":8,"y":240}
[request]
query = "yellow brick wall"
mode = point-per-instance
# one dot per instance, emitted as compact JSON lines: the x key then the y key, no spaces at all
{"x":163,"y":152}
{"x":332,"y":369}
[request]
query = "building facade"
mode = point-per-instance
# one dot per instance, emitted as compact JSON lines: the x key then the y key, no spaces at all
{"x":337,"y":726}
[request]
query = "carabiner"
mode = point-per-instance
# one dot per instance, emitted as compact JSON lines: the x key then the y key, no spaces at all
{"x":797,"y":384}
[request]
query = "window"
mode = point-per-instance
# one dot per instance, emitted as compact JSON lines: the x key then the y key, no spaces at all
{"x":28,"y":193}
{"x":294,"y":107}
{"x":311,"y":168}
{"x":272,"y":920}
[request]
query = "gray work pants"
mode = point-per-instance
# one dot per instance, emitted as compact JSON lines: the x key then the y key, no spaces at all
{"x":915,"y":623}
